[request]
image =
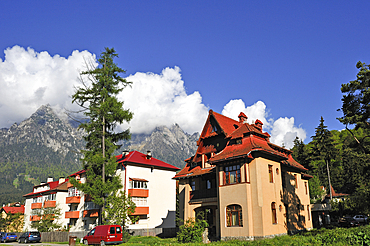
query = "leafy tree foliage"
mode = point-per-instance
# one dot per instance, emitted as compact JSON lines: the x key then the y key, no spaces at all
{"x":119,"y":209}
{"x":98,"y":99}
{"x":192,"y":230}
{"x":48,"y":219}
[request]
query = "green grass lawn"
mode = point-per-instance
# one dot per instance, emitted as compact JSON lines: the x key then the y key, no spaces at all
{"x":338,"y":236}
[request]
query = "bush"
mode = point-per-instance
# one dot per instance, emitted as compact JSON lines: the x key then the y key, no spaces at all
{"x":192,"y":229}
{"x":125,"y":236}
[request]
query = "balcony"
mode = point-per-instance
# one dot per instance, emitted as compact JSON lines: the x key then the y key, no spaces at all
{"x":72,"y":214}
{"x":141,"y":211}
{"x":73,"y":199}
{"x":202,"y":194}
{"x":34,"y":218}
{"x":36,"y":205}
{"x":93,"y":213}
{"x":138,"y":192}
{"x":49,"y":204}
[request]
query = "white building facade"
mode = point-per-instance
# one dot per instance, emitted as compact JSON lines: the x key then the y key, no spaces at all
{"x":51,"y":194}
{"x":148,"y":181}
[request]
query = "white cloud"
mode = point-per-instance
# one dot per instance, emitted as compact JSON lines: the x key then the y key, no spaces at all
{"x":161,"y":99}
{"x":29,"y":79}
{"x":282,"y":131}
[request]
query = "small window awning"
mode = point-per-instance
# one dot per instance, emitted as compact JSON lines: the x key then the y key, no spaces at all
{"x":137,"y":179}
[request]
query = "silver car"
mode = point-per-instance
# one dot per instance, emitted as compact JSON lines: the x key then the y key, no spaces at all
{"x":360,"y":218}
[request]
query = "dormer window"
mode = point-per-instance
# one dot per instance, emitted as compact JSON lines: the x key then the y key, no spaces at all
{"x":239,"y":141}
{"x":214,"y":128}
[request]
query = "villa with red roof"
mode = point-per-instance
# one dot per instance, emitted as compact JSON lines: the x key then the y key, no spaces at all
{"x":12,"y":209}
{"x":246,"y":186}
{"x":51,"y":194}
{"x":150,"y":184}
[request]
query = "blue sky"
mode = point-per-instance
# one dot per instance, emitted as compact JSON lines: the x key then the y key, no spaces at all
{"x":291,"y":55}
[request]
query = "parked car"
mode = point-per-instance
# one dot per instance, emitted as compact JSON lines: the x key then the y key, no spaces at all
{"x":8,"y":237}
{"x":361,"y":218}
{"x":104,"y":234}
{"x":30,"y":236}
{"x":348,"y":222}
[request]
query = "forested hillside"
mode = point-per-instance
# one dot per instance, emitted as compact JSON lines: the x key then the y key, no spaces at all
{"x":346,"y":153}
{"x":44,"y":145}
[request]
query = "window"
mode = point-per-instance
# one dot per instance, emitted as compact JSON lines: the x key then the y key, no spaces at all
{"x":273,"y":212}
{"x":209,"y":184}
{"x":271,"y":175}
{"x":234,"y":215}
{"x":140,"y":201}
{"x":118,"y":230}
{"x":192,"y":184}
{"x":232,"y":174}
{"x":37,"y":199}
{"x":306,"y":188}
{"x":308,"y":212}
{"x":72,"y":191}
{"x":295,"y":181}
{"x":135,"y":184}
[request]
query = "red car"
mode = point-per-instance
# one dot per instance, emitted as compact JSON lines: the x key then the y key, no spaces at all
{"x":104,"y":234}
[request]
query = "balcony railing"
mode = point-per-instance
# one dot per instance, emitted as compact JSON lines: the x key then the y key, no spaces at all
{"x":138,"y":192}
{"x":36,"y":205}
{"x":72,"y":214}
{"x":34,"y":218}
{"x":73,"y":199}
{"x":49,"y":204}
{"x":91,"y":213}
{"x":141,"y":211}
{"x":200,"y":194}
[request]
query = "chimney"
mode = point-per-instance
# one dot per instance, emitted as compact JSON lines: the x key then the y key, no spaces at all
{"x":148,"y":155}
{"x":124,"y":153}
{"x":61,"y":180}
{"x":258,"y":124}
{"x":50,"y":179}
{"x":242,"y":118}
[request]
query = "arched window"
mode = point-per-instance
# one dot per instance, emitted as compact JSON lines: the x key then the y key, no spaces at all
{"x":234,"y":215}
{"x":273,"y":212}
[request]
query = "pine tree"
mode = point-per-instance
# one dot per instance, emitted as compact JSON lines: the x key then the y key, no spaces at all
{"x":98,"y":98}
{"x":356,"y":101}
{"x":322,"y":152}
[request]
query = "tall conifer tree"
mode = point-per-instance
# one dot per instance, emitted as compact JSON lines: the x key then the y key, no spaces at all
{"x":323,"y":151}
{"x":98,"y":98}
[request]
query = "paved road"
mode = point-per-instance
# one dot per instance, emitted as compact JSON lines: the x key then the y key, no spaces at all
{"x":31,"y":244}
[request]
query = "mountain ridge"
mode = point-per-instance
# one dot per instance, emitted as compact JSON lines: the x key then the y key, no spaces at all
{"x":45,"y":145}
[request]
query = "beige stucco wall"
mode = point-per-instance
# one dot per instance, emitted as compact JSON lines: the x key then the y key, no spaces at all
{"x":255,"y":198}
{"x":299,"y":219}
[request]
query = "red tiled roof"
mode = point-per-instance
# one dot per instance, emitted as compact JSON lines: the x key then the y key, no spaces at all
{"x":14,"y":210}
{"x":53,"y":186}
{"x":253,"y":140}
{"x":334,"y":194}
{"x":248,"y":145}
{"x":77,"y":173}
{"x":188,"y":171}
{"x":140,"y":158}
{"x":226,"y":123}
